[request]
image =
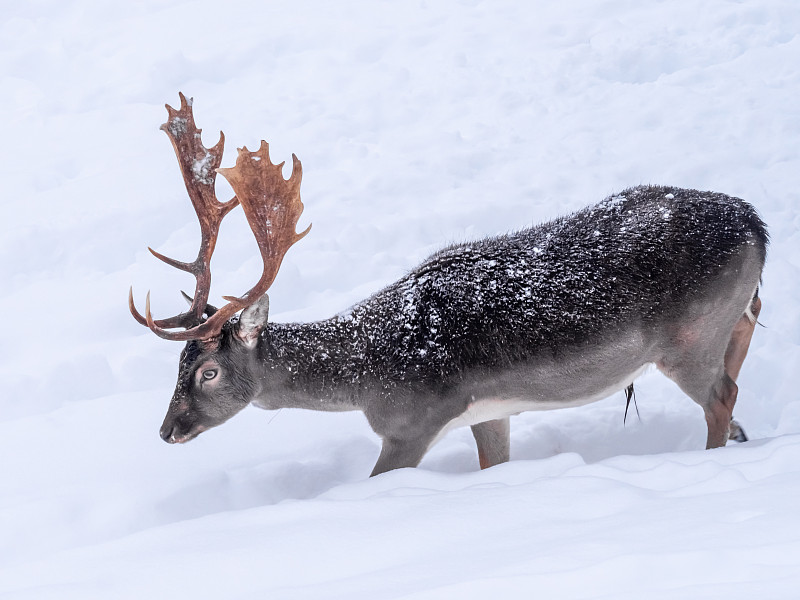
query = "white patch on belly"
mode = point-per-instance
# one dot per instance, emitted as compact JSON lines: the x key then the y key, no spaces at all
{"x":489,"y":409}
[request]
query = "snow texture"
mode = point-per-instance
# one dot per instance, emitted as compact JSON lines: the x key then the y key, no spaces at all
{"x":421,"y":125}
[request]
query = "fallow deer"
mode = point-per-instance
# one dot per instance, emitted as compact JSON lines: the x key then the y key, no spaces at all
{"x":556,"y":315}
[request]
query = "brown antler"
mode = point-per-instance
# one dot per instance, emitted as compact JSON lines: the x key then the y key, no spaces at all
{"x":272,"y":206}
{"x":198,"y":166}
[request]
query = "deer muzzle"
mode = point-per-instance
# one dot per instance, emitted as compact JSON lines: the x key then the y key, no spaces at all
{"x":178,"y":430}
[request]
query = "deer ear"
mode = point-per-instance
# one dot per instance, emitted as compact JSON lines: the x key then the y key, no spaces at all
{"x":253,"y":321}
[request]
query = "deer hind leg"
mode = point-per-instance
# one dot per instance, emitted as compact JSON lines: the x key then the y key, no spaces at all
{"x":712,"y":388}
{"x":740,"y":340}
{"x":494,"y":442}
{"x":736,"y":353}
{"x":719,"y":414}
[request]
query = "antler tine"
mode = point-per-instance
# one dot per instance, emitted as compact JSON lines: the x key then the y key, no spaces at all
{"x":132,"y":307}
{"x":176,"y":321}
{"x":272,"y":206}
{"x":198,"y":166}
{"x":183,"y":266}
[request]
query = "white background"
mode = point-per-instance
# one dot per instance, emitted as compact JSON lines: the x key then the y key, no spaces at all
{"x":418,"y":124}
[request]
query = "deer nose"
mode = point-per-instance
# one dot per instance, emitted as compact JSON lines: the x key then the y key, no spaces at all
{"x":167,"y":432}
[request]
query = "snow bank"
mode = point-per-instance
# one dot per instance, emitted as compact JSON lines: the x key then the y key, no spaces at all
{"x":418,"y":124}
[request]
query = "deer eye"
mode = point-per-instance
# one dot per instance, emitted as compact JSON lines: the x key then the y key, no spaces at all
{"x":209,"y":374}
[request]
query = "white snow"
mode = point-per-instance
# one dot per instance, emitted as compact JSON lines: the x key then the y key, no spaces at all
{"x":419,"y":124}
{"x":201,"y":168}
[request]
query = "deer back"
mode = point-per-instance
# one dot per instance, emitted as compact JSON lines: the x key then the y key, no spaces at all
{"x":639,"y":257}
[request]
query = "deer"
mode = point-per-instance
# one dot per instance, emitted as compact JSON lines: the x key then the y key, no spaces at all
{"x":551,"y":316}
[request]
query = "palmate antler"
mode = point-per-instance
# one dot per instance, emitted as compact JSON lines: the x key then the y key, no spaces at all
{"x":271,"y":204}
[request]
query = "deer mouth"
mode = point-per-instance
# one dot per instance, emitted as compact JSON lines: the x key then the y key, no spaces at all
{"x":171,"y":435}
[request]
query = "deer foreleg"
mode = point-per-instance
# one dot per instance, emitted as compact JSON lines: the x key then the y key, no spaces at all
{"x":493,"y":442}
{"x":399,"y":453}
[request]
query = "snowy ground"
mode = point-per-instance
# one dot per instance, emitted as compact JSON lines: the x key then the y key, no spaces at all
{"x":418,"y":124}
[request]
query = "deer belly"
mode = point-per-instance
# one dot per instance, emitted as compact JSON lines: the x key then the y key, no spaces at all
{"x":480,"y":410}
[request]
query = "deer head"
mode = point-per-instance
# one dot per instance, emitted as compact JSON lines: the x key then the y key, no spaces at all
{"x":215,"y":377}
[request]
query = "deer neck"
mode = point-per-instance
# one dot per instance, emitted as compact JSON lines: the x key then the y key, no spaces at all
{"x":317,"y":366}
